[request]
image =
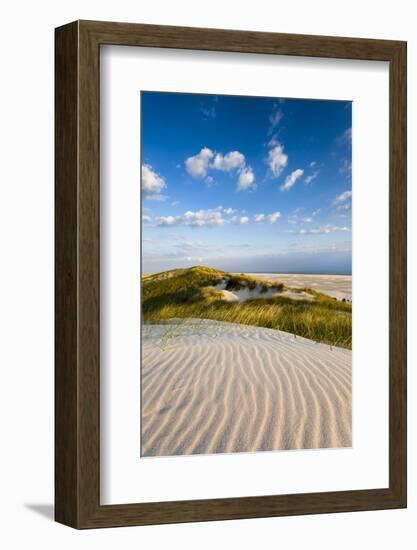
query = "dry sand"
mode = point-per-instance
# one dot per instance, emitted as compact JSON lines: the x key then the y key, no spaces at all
{"x":211,"y":387}
{"x":338,"y":286}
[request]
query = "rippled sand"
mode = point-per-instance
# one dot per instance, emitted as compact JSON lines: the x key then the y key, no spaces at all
{"x":211,"y":387}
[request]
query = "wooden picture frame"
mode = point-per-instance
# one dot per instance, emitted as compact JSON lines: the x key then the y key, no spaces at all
{"x":77,"y":382}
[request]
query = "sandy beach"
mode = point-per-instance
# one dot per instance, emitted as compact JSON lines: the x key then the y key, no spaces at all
{"x":215,"y":387}
{"x":338,"y":286}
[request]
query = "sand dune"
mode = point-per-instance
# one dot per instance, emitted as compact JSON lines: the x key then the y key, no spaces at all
{"x":338,"y":286}
{"x":247,"y":293}
{"x":211,"y":387}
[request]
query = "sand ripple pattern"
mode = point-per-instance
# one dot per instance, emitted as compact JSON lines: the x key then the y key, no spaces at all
{"x":211,"y":387}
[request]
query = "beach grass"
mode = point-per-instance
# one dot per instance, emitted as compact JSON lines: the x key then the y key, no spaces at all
{"x":190,"y":293}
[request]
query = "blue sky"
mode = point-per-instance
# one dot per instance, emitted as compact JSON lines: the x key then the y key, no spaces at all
{"x":245,"y":183}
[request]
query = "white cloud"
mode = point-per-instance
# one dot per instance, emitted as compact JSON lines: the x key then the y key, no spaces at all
{"x":240,"y":220}
{"x":146,"y":219}
{"x":246,"y":179}
{"x":199,"y":218}
{"x":309,"y":179}
{"x":345,"y":138}
{"x":346,"y":167}
{"x":344,"y":207}
{"x":168,"y":220}
{"x":275,"y":118}
{"x":273,"y":141}
{"x":208,"y":112}
{"x":342,"y":197}
{"x":277,"y":160}
{"x":322,"y":230}
{"x":295,"y":218}
{"x":231,"y":161}
{"x":229,"y":211}
{"x":272,"y":218}
{"x":152,"y":183}
{"x":175,"y":203}
{"x":312,"y":164}
{"x":291,"y":179}
{"x":197,"y":165}
{"x":204,"y":218}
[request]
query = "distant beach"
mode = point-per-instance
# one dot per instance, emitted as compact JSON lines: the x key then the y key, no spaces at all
{"x":338,"y":286}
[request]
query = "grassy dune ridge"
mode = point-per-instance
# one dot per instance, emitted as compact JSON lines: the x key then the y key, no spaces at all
{"x":190,"y":293}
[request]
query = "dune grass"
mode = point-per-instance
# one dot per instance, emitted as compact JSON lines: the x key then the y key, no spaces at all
{"x":189,"y":293}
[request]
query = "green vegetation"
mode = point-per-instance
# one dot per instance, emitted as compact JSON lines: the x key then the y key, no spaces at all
{"x":189,"y":293}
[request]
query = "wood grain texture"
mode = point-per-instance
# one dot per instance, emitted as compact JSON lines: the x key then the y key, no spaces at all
{"x":78,"y":284}
{"x":66,"y":237}
{"x":398,"y":273}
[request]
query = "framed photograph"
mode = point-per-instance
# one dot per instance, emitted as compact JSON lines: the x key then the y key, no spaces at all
{"x":230,"y":274}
